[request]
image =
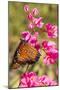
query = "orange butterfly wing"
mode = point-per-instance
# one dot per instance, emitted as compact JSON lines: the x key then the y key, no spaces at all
{"x":25,"y":53}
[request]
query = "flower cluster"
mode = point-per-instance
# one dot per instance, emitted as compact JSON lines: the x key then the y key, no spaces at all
{"x":51,"y":52}
{"x":51,"y":30}
{"x":30,"y":79}
{"x":31,"y":39}
{"x":33,"y":21}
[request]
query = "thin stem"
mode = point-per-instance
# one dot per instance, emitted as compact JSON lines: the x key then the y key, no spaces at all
{"x":27,"y":67}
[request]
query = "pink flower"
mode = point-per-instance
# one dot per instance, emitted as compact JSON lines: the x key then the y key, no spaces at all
{"x":46,"y":81}
{"x":38,"y":22}
{"x":40,"y":25}
{"x":48,"y":60}
{"x":51,"y":30}
{"x":31,"y":26}
{"x":51,"y":52}
{"x":30,"y":79}
{"x":36,"y":34}
{"x":35,"y":11}
{"x":30,"y":16}
{"x":51,"y":56}
{"x":32,"y":40}
{"x":48,"y":45}
{"x":44,"y":44}
{"x":26,"y":8}
{"x":26,"y":35}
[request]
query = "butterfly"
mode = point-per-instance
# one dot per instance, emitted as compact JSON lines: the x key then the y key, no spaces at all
{"x":25,"y":53}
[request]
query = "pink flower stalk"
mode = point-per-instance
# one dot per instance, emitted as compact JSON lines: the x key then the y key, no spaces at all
{"x":30,"y":79}
{"x":51,"y":30}
{"x":35,"y":11}
{"x":32,"y":39}
{"x":26,"y":8}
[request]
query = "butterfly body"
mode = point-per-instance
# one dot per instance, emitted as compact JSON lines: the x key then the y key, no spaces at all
{"x":25,"y":53}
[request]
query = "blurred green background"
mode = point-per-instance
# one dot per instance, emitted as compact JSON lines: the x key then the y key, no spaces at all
{"x":16,"y":24}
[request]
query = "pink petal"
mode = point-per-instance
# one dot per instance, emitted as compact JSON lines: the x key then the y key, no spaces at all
{"x":31,"y":26}
{"x":37,"y":46}
{"x":35,"y":11}
{"x":40,"y":25}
